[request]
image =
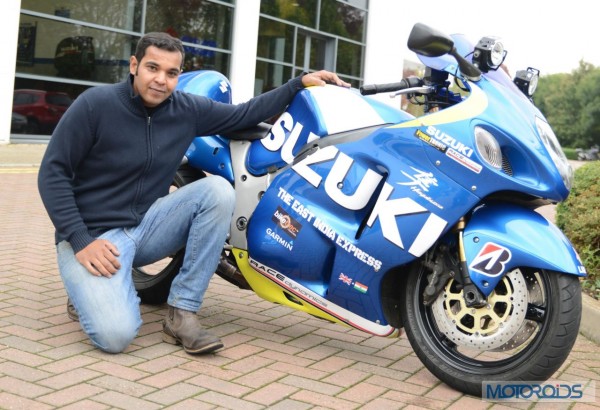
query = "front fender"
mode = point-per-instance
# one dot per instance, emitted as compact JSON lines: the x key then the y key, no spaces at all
{"x":501,"y":237}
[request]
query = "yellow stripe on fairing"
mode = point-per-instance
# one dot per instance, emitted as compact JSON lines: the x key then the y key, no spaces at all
{"x":474,"y":105}
{"x":269,"y":290}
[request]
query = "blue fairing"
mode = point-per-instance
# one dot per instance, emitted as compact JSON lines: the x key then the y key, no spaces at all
{"x":505,"y":112}
{"x":208,"y":153}
{"x":354,"y":211}
{"x":212,"y":155}
{"x":499,"y":238}
{"x":314,"y":113}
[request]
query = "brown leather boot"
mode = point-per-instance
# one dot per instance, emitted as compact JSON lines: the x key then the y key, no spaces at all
{"x":71,"y":312}
{"x":183,"y":327}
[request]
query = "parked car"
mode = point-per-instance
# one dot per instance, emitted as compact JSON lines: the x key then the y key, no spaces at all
{"x":18,"y":124}
{"x":42,"y":108}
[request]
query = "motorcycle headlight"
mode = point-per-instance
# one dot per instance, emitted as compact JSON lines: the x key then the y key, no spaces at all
{"x":488,"y":147}
{"x":489,"y":54}
{"x":527,"y":80}
{"x":551,"y":143}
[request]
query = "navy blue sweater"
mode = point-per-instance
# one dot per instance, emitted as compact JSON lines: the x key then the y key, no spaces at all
{"x":108,"y":160}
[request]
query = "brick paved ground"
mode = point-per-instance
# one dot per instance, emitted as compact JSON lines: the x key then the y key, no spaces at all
{"x":274,"y":357}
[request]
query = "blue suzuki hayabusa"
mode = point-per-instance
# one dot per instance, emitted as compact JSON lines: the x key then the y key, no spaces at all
{"x":362,"y":214}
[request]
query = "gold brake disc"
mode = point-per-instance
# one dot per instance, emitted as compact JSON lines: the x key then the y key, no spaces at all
{"x":488,"y":328}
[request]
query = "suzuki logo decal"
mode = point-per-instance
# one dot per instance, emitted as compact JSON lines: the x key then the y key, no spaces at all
{"x":386,"y":210}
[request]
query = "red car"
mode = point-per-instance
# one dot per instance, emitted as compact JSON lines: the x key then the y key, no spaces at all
{"x":42,"y":108}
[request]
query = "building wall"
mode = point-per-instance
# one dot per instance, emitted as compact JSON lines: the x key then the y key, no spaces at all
{"x":243,"y":56}
{"x":381,"y":64}
{"x":385,"y":52}
{"x":9,"y":27}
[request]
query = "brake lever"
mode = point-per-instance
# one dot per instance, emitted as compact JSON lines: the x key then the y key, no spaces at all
{"x":427,"y":89}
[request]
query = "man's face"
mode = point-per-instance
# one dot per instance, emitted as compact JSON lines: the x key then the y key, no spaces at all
{"x":156,"y":75}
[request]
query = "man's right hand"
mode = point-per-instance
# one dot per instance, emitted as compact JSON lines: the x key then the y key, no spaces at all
{"x":100,"y":258}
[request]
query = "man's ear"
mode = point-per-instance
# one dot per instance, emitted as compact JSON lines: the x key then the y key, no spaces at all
{"x":133,"y":65}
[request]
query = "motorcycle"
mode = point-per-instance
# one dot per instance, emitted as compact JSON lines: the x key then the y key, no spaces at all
{"x":362,"y":214}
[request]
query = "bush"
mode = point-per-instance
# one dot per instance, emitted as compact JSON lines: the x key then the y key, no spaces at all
{"x":570,"y":153}
{"x":579,"y":219}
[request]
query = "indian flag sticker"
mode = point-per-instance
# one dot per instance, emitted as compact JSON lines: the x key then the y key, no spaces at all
{"x":360,"y":287}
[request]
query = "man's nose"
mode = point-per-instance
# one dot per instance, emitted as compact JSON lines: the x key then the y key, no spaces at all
{"x":160,"y":77}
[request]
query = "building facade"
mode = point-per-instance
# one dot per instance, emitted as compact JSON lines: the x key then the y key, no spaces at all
{"x":64,"y":47}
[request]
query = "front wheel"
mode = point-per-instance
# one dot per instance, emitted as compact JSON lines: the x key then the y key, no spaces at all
{"x":525,"y":332}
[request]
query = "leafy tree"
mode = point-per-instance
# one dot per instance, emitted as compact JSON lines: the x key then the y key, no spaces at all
{"x":588,"y":95}
{"x":571,"y":103}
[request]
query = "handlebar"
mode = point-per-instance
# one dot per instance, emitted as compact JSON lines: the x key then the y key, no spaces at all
{"x":409,"y":82}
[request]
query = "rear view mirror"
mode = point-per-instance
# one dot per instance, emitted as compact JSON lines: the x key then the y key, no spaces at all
{"x":429,"y":42}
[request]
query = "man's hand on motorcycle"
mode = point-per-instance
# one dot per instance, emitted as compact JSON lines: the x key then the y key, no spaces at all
{"x":321,"y":78}
{"x":100,"y":258}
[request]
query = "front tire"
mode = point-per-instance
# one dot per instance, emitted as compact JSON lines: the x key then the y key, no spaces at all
{"x":153,"y":283}
{"x":525,"y":332}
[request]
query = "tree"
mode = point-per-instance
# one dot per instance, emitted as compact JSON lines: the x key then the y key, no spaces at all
{"x":571,"y":104}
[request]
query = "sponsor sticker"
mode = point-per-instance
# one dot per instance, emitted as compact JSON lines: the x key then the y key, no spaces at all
{"x":491,"y":259}
{"x":454,"y":149}
{"x":289,"y":225}
{"x":464,"y":161}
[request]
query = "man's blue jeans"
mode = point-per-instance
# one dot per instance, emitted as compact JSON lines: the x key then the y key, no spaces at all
{"x":196,"y":216}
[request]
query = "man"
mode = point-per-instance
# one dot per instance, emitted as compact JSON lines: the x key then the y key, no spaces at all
{"x":104,"y":181}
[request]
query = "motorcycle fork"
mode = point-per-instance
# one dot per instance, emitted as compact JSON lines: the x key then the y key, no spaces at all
{"x":471,"y":295}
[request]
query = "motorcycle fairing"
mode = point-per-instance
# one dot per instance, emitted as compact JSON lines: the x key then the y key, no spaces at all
{"x":449,"y":138}
{"x":208,"y":153}
{"x":276,"y":287}
{"x":499,"y":238}
{"x":211,"y":154}
{"x":340,"y":218}
{"x":497,"y":105}
{"x":316,"y":112}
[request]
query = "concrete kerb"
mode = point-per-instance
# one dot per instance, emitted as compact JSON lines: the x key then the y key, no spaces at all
{"x":24,"y":156}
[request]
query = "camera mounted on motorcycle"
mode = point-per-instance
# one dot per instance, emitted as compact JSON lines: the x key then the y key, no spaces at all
{"x":527,"y":80}
{"x":489,"y":54}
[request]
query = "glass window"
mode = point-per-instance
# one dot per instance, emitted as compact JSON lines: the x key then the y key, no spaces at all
{"x":301,"y":59}
{"x":43,"y":103}
{"x":318,"y":54}
{"x":203,"y":59}
{"x":303,"y":12}
{"x":198,"y":23}
{"x":349,"y":58}
{"x":275,"y":40}
{"x":342,"y":19}
{"x":357,"y":3}
{"x":269,"y":76}
{"x":56,"y":49}
{"x":123,"y":14}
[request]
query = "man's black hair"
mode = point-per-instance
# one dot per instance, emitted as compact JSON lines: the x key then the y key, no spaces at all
{"x":163,"y":41}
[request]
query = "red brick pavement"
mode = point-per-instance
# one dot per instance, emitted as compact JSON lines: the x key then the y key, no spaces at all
{"x":274,"y":358}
